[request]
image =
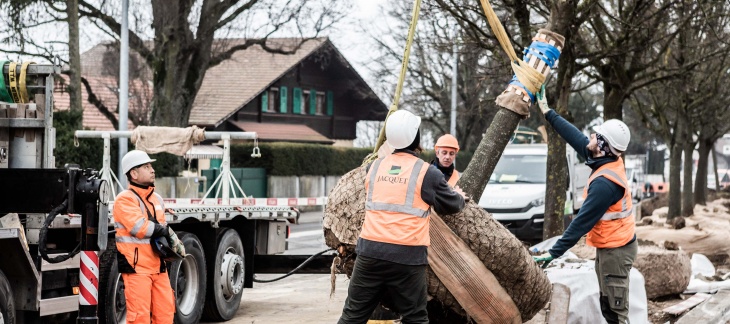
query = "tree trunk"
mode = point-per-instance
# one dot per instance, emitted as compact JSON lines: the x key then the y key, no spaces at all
{"x":562,"y":15}
{"x":688,"y":204}
{"x":675,"y":195}
{"x":74,"y":56}
{"x":557,"y":176}
{"x":613,"y":100}
{"x":701,"y":178}
{"x":178,"y":67}
{"x":488,"y":153}
{"x":714,"y":167}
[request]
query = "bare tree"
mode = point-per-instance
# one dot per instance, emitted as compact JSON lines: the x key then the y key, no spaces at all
{"x":428,"y":83}
{"x":182,"y":34}
{"x":678,"y":107}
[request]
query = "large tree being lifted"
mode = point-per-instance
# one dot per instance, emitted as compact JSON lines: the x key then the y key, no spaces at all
{"x":503,"y":269}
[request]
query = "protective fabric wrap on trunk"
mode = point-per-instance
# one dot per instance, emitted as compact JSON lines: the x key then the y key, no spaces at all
{"x":516,"y":98}
{"x":500,"y":251}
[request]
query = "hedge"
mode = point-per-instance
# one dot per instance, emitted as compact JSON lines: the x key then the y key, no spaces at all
{"x":290,"y":159}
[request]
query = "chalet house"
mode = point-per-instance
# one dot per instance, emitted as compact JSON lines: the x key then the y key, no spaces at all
{"x":311,"y":96}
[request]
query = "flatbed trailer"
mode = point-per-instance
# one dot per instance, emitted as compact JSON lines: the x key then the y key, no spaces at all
{"x":61,"y":212}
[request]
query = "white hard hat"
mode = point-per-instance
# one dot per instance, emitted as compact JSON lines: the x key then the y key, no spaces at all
{"x":616,"y":133}
{"x":401,"y":128}
{"x":135,"y":158}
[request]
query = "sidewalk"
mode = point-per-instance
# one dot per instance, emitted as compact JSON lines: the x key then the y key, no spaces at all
{"x":293,"y":300}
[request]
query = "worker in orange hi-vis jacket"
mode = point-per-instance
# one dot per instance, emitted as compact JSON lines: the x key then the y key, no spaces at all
{"x":139,"y":216}
{"x":392,"y":250}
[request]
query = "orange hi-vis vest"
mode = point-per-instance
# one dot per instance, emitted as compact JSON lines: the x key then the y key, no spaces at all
{"x":134,"y":227}
{"x":617,"y":226}
{"x":394,"y":210}
{"x":454,"y":178}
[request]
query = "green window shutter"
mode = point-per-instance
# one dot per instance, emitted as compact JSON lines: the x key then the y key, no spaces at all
{"x":313,"y":107}
{"x":297,"y":100}
{"x":265,"y":101}
{"x":282,"y":95}
{"x":330,"y":103}
{"x":312,"y":101}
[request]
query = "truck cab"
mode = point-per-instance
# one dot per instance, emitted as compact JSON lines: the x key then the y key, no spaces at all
{"x":515,"y":193}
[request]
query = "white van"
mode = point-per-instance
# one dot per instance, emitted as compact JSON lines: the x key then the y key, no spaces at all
{"x":515,"y":194}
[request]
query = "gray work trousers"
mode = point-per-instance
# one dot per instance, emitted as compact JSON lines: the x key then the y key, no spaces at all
{"x":612,"y":268}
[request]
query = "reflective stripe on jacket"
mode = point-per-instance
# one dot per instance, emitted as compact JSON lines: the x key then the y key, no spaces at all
{"x":394,"y":210}
{"x":134,"y":227}
{"x":617,"y":226}
{"x":454,"y":178}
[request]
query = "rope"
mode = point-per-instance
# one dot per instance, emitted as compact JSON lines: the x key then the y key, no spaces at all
{"x":401,"y":78}
{"x":529,"y":78}
{"x":22,"y":89}
{"x":13,"y":82}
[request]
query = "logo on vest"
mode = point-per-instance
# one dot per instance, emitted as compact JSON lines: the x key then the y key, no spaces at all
{"x":395,"y":170}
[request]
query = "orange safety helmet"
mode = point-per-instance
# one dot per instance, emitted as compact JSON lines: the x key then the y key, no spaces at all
{"x":447,"y":140}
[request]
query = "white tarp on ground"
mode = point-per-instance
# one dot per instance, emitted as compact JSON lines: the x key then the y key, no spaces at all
{"x":701,"y":266}
{"x":580,"y":276}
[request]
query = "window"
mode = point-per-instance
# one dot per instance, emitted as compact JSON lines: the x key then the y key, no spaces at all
{"x":273,"y":100}
{"x":319,"y":108}
{"x":305,"y":102}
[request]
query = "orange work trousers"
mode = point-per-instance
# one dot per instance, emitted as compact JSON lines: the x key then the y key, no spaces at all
{"x":149,"y":296}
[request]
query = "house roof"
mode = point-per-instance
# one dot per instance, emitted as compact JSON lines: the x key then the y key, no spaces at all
{"x":104,"y":89}
{"x":226,"y":88}
{"x":238,"y":80}
{"x":282,"y":132}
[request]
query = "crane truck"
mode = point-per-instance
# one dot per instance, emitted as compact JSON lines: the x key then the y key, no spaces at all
{"x":57,"y":249}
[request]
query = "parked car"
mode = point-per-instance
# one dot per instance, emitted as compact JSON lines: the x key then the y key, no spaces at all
{"x":515,"y":193}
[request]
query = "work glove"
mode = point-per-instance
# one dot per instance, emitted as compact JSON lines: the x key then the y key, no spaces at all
{"x":175,"y":243}
{"x":160,"y":230}
{"x":545,"y":258}
{"x":542,"y":100}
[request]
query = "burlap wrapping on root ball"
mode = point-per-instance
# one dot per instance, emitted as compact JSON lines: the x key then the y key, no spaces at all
{"x":495,"y":246}
{"x":665,"y":272}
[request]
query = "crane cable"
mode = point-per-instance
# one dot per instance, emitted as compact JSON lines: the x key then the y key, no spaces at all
{"x":401,"y":78}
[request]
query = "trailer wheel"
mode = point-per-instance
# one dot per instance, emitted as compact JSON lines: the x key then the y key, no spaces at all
{"x":225,"y":280}
{"x":112,"y":303}
{"x":188,"y":280}
{"x":7,"y":304}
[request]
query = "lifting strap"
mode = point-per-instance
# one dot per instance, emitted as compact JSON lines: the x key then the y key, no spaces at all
{"x":527,"y":75}
{"x":401,"y":78}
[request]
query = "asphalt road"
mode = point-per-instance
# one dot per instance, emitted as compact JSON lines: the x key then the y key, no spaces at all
{"x":297,"y":299}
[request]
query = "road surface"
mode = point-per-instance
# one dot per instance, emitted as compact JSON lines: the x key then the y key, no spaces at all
{"x":297,"y":299}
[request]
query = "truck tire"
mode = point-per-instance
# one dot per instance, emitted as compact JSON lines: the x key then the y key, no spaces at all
{"x":225,"y":278}
{"x":7,"y":304}
{"x":112,"y":303}
{"x":188,"y":280}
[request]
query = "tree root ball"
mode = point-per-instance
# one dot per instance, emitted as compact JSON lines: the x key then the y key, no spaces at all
{"x":500,"y":251}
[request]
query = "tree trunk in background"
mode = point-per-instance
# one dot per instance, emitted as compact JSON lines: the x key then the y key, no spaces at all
{"x":562,"y":16}
{"x":675,"y":195}
{"x":613,"y":100}
{"x":557,"y":176}
{"x":488,"y":153}
{"x":714,"y":167}
{"x":74,"y":55}
{"x":701,"y":178}
{"x":688,"y":204}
